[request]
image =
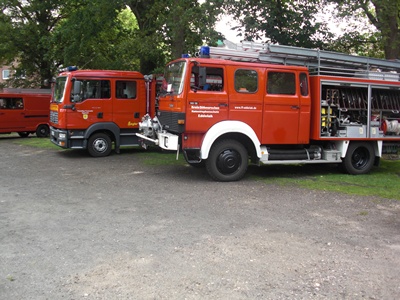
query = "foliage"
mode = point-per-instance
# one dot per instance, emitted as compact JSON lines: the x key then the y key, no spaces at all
{"x":287,"y":22}
{"x":382,"y":14}
{"x":97,"y":35}
{"x":170,"y":28}
{"x":363,"y":44}
{"x":40,"y":36}
{"x":25,"y":38}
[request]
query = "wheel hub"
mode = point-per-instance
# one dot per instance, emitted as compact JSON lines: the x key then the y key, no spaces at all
{"x":100,"y":145}
{"x":228,"y":161}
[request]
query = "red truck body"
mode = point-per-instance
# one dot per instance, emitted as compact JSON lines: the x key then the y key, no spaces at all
{"x":273,"y":104}
{"x":25,"y":111}
{"x":94,"y":109}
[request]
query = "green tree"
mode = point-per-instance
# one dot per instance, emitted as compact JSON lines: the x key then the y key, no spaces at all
{"x":169,"y":28}
{"x":383,"y":14}
{"x":97,"y":35}
{"x":25,"y":38}
{"x":287,"y":22}
{"x":100,"y":34}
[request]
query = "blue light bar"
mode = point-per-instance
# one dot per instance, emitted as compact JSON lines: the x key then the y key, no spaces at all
{"x":204,"y":52}
{"x":69,"y":69}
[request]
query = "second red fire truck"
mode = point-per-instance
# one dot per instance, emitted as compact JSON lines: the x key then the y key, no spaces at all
{"x":271,"y":104}
{"x":99,"y":109}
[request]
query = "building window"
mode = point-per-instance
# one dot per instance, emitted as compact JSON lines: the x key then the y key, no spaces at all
{"x":6,"y":74}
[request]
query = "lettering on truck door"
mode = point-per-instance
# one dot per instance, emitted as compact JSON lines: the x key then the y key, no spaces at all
{"x":207,"y":98}
{"x":281,"y":108}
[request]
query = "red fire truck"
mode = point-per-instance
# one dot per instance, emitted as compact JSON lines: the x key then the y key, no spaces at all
{"x":92,"y":109}
{"x":271,"y":104}
{"x":25,"y":111}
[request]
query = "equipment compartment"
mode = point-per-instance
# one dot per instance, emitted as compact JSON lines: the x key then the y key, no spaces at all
{"x":359,"y":111}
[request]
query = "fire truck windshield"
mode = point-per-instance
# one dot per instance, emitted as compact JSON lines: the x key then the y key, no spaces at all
{"x":174,"y":77}
{"x":59,"y":89}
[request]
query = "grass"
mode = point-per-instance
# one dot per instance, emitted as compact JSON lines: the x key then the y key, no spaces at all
{"x":382,"y":181}
{"x":43,"y":143}
{"x":156,"y":158}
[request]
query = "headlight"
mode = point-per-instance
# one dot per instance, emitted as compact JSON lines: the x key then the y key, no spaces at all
{"x":61,"y":136}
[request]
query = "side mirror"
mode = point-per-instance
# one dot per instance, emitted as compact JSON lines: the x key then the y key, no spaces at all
{"x":76,"y":93}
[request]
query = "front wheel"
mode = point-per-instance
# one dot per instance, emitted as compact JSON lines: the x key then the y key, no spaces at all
{"x":359,"y":158}
{"x":42,"y":131}
{"x":227,"y":161}
{"x":99,"y":145}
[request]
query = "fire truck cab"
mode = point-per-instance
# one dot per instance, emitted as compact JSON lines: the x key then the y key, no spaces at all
{"x":25,"y":111}
{"x":274,"y":104}
{"x":92,"y":109}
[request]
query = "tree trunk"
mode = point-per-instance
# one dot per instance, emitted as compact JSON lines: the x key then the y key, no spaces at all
{"x":387,"y":12}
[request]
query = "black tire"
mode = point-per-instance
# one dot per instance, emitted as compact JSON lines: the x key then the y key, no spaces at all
{"x":23,"y":134}
{"x":227,"y":161}
{"x":42,"y":131}
{"x":99,"y":145}
{"x":359,"y":158}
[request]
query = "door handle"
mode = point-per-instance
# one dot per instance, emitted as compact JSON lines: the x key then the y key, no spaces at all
{"x":295,"y":107}
{"x":70,"y":106}
{"x":223,"y":104}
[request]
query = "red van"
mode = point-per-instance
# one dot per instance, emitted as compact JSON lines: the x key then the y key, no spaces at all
{"x":25,"y":111}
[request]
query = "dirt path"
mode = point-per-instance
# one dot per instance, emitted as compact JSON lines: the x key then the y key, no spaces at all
{"x":74,"y":227}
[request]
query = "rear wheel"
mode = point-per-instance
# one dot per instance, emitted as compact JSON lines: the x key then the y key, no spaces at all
{"x":359,"y":158}
{"x":99,"y":145}
{"x":42,"y":131}
{"x":23,"y":134}
{"x":227,"y":161}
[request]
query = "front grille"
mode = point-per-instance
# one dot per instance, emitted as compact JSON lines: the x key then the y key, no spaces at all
{"x":54,"y":117}
{"x":169,"y":121}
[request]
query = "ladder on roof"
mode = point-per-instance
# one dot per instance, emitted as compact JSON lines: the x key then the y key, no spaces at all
{"x":319,"y":62}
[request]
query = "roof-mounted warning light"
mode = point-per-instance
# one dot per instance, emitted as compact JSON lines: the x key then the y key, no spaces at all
{"x":204,"y":52}
{"x":185,"y":55}
{"x":69,"y":69}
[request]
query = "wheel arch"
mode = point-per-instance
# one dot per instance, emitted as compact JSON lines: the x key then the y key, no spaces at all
{"x":234,"y":130}
{"x":109,"y":128}
{"x":344,"y":145}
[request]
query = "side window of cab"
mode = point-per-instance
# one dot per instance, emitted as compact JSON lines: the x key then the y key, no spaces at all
{"x":246,"y":81}
{"x":281,"y":83}
{"x":126,"y":89}
{"x":207,"y":79}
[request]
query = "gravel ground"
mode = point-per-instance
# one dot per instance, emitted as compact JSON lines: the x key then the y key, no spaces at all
{"x":75,"y":227}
